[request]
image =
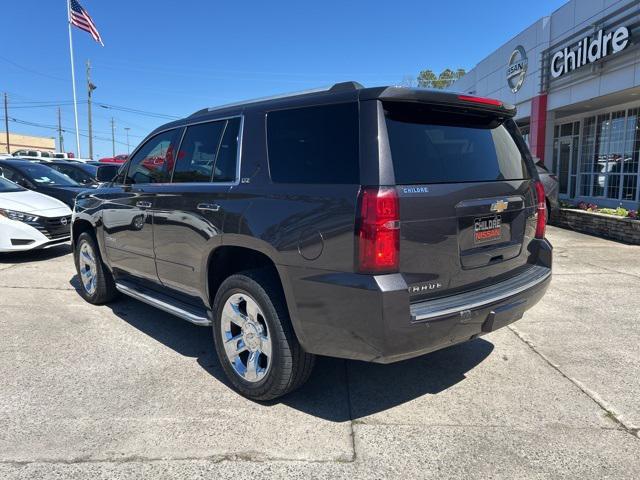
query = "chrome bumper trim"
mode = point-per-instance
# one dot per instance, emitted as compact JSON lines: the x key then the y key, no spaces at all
{"x":440,"y":307}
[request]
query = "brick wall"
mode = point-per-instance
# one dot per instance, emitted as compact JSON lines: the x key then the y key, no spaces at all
{"x":608,"y":226}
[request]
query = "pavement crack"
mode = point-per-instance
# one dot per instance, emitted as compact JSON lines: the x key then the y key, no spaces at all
{"x":248,"y":457}
{"x":549,"y":427}
{"x":609,"y":410}
{"x":349,"y":407}
{"x":69,"y":289}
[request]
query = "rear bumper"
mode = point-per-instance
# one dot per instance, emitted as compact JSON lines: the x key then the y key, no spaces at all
{"x":370,"y":318}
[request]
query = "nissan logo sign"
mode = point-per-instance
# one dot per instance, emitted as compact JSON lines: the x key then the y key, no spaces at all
{"x":517,"y":69}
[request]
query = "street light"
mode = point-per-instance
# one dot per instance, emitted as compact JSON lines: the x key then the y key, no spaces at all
{"x":127,"y":130}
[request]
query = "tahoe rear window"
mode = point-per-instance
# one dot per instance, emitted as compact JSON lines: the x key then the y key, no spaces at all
{"x":438,"y":145}
{"x":314,"y":144}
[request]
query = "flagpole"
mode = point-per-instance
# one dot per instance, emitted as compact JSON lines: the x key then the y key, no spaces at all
{"x":73,"y":79}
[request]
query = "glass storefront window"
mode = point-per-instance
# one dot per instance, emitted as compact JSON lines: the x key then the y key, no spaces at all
{"x":565,"y":156}
{"x":587,"y":155}
{"x":615,"y":154}
{"x":631,"y":154}
{"x":610,"y":155}
{"x":603,"y":128}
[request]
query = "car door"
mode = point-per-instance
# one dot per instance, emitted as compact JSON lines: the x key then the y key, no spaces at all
{"x":189,"y":214}
{"x":127,"y":211}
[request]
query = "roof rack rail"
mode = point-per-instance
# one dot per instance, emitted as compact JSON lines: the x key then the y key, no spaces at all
{"x":337,"y":87}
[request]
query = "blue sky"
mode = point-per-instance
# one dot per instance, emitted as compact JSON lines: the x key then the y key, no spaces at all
{"x":174,"y":58}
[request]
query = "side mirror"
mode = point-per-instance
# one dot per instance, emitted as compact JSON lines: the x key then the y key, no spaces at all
{"x":1,"y":172}
{"x":106,"y":173}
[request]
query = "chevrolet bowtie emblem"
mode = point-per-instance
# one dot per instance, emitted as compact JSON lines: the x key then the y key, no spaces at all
{"x":499,"y":206}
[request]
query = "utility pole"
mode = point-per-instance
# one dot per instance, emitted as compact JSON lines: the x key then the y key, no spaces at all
{"x":6,"y":121}
{"x":60,"y":137}
{"x":127,"y":130}
{"x":113,"y":136}
{"x":90,"y":88}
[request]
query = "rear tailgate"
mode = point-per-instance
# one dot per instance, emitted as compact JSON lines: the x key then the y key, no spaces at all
{"x":467,"y":197}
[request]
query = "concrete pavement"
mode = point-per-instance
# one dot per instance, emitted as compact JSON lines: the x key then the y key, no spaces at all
{"x":126,"y":391}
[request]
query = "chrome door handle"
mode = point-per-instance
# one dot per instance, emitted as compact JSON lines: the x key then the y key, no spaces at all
{"x":208,"y":207}
{"x":142,"y":204}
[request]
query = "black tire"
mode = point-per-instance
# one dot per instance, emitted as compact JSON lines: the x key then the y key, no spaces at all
{"x":290,"y":365}
{"x":105,"y":288}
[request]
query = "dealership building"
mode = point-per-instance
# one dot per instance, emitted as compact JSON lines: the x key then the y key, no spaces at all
{"x":575,"y":78}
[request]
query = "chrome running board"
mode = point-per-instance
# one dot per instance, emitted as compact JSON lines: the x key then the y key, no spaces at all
{"x":165,"y":303}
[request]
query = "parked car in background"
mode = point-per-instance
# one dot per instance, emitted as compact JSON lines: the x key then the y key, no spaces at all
{"x":120,"y":159}
{"x":82,"y":173}
{"x":79,"y":160}
{"x":32,"y":153}
{"x":376,"y":224}
{"x":551,"y":188}
{"x":47,"y":156}
{"x":30,"y":220}
{"x":42,"y":179}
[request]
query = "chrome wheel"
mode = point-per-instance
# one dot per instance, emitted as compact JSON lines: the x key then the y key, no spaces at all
{"x":88,"y":268}
{"x":247,"y":343}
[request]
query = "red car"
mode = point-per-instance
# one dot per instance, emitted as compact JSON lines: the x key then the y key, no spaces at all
{"x":117,"y":159}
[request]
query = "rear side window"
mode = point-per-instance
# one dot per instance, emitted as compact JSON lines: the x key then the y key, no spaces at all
{"x":227,"y":159}
{"x":209,"y":152}
{"x":314,"y":144}
{"x":441,"y":146}
{"x":198,"y":152}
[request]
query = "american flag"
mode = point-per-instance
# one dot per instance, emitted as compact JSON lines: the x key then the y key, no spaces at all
{"x":79,"y":17}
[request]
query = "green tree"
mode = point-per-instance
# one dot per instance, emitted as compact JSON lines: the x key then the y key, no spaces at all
{"x":428,"y":79}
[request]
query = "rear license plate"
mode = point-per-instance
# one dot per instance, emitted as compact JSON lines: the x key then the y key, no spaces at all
{"x":486,"y":229}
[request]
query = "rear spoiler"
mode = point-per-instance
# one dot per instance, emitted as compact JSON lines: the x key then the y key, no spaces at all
{"x":439,"y":98}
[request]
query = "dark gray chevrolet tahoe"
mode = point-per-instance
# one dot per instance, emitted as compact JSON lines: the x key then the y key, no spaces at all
{"x":375,"y":224}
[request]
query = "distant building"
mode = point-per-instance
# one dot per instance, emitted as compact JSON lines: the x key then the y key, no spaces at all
{"x":21,"y":142}
{"x":575,"y":78}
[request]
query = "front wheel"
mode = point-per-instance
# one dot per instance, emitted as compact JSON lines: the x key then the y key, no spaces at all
{"x":254,"y":339}
{"x":96,"y":282}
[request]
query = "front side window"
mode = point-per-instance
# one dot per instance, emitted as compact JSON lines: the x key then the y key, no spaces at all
{"x":154,"y":161}
{"x":7,"y":186}
{"x":15,"y":177}
{"x":314,"y":144}
{"x":75,"y":174}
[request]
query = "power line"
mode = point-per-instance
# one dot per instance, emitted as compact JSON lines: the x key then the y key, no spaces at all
{"x":30,"y":70}
{"x":139,"y":112}
{"x":64,"y":129}
{"x":50,"y":103}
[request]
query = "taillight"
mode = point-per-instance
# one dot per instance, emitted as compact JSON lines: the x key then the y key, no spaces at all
{"x":378,"y":230}
{"x":481,"y":100}
{"x":541,"y":210}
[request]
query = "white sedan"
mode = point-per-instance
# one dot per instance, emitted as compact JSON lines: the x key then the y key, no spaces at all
{"x":30,"y":220}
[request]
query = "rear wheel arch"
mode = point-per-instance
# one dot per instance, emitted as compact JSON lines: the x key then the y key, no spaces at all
{"x":227,"y":260}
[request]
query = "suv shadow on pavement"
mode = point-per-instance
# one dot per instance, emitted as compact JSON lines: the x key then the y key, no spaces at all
{"x":338,"y":390}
